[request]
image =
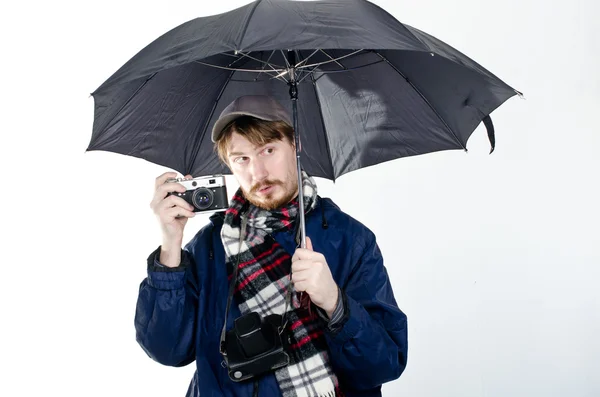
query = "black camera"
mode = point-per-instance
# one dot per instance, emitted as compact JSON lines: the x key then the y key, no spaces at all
{"x":255,"y":346}
{"x":206,"y":194}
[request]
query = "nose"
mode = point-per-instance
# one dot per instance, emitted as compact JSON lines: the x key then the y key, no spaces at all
{"x":258,"y":170}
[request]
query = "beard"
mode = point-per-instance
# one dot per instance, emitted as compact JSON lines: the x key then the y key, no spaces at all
{"x":271,"y":201}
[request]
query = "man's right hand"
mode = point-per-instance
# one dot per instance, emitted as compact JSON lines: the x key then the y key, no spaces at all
{"x":172,"y":213}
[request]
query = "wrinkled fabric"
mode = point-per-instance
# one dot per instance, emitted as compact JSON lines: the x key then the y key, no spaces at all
{"x":263,"y":283}
{"x":180,"y":313}
{"x":405,"y":94}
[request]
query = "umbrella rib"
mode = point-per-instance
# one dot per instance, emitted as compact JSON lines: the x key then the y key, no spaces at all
{"x":330,"y":57}
{"x":300,"y":73}
{"x":124,"y":104}
{"x":267,"y":64}
{"x":260,"y":61}
{"x":422,"y":97}
{"x":248,"y":21}
{"x":287,"y":64}
{"x":314,"y":84}
{"x":350,"y":69}
{"x":200,"y":136}
{"x":324,"y":72}
{"x":237,"y":69}
{"x":237,"y":58}
{"x":263,"y":68}
{"x":316,"y":65}
{"x":332,"y":60}
{"x":229,"y":55}
{"x":305,"y":59}
{"x":305,"y":74}
{"x":280,"y":78}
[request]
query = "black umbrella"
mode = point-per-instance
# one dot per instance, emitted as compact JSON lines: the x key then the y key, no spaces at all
{"x":364,"y":88}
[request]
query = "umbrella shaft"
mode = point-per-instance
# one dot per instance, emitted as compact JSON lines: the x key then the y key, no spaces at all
{"x":294,"y":97}
{"x":299,"y":169}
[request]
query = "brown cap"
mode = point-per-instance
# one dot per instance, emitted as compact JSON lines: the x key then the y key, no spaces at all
{"x":260,"y":106}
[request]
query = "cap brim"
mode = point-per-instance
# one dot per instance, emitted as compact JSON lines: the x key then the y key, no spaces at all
{"x":223,"y":121}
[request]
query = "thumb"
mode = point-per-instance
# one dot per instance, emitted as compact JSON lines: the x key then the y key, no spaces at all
{"x":309,"y":244}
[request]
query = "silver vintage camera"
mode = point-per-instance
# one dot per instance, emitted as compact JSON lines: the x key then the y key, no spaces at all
{"x":205,"y":193}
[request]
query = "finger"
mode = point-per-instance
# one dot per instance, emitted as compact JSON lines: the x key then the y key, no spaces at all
{"x":301,"y":254}
{"x":177,"y":212}
{"x":163,"y":178}
{"x":174,"y":201}
{"x":170,"y":187}
{"x":300,"y":276}
{"x":309,"y":244}
{"x":305,"y":254}
{"x":300,"y":286}
{"x":159,"y":203}
{"x":163,"y":191}
{"x":309,"y":247}
{"x":302,"y":265}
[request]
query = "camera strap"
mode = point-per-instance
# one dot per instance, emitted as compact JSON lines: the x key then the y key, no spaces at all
{"x":284,"y":318}
{"x":232,"y":285}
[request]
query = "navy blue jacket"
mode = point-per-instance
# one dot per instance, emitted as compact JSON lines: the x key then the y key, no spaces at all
{"x":180,"y":311}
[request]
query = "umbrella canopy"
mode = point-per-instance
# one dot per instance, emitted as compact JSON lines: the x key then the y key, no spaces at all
{"x":370,"y":89}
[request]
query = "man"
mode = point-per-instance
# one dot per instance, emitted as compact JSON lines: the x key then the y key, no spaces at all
{"x":347,"y":339}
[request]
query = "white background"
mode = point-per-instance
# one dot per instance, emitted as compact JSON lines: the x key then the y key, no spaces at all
{"x":494,"y":258}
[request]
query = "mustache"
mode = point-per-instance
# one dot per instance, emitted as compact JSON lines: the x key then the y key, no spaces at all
{"x":266,"y":183}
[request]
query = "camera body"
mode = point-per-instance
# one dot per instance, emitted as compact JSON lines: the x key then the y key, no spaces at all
{"x":206,"y":194}
{"x":255,"y":346}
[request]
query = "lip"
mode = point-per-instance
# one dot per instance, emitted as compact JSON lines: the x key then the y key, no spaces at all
{"x":266,"y":190}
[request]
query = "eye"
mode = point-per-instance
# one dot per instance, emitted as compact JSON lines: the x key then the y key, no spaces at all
{"x":269,"y":150}
{"x":240,"y":160}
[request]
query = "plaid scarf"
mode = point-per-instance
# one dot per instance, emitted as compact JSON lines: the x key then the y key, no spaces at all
{"x":262,"y":284}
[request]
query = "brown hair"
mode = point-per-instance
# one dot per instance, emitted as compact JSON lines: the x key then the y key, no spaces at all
{"x":258,"y":132}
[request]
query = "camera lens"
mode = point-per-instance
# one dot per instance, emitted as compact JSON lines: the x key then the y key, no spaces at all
{"x":202,"y":198}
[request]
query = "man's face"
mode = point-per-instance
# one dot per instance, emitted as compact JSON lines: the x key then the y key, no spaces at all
{"x":266,"y":174}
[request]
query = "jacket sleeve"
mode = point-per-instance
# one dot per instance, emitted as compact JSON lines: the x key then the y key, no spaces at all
{"x":165,"y":316}
{"x":369,"y":348}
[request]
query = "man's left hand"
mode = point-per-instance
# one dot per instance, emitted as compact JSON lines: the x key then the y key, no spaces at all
{"x":311,"y":274}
